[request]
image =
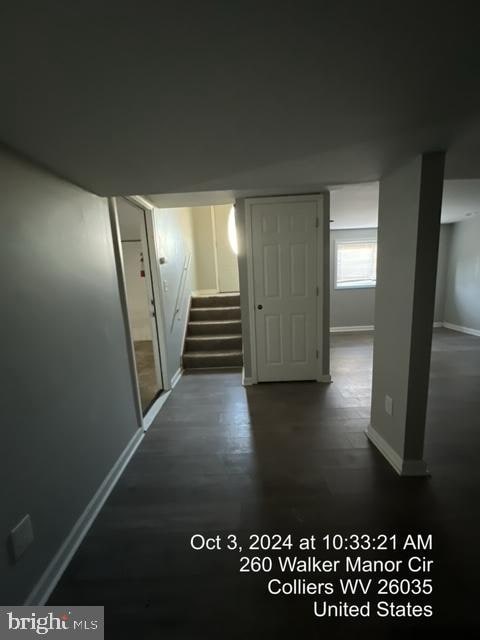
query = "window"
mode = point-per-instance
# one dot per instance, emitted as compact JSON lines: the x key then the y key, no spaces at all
{"x":356,"y":264}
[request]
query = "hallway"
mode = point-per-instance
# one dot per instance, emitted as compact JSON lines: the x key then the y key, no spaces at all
{"x":287,"y":457}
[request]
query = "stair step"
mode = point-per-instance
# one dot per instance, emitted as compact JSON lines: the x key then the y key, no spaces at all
{"x":214,"y":327}
{"x":213,"y":343}
{"x":212,"y":359}
{"x":217,"y":300}
{"x":215,"y":313}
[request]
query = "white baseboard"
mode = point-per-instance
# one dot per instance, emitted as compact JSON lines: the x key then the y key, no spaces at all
{"x":246,"y":381}
{"x":353,"y":329}
{"x":324,"y":378}
{"x":154,"y":409}
{"x":52,"y":574}
{"x":402,"y":467}
{"x":456,"y":327}
{"x":176,"y":377}
{"x":371,"y":327}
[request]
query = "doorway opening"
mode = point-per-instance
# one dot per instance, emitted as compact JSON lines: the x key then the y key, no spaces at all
{"x":140,"y":299}
{"x":214,"y":250}
{"x":213,"y":337}
{"x":200,"y":285}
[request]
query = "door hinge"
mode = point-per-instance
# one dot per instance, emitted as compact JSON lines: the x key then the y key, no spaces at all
{"x":317,"y":223}
{"x":317,"y":290}
{"x":316,"y":354}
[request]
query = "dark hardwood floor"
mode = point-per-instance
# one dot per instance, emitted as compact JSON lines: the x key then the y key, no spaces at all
{"x":289,"y":457}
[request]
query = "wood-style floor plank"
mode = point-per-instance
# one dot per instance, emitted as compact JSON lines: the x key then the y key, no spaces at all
{"x":289,"y":457}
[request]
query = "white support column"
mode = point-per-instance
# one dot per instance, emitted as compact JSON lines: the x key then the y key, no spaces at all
{"x":408,"y":237}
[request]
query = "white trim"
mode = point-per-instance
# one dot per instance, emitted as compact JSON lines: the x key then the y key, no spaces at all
{"x":456,"y":327}
{"x":321,"y":212}
{"x":371,"y":327}
{"x":325,"y":377}
{"x":246,"y":380}
{"x":160,"y":401}
{"x":158,"y":323}
{"x":158,"y":294}
{"x":147,"y":247}
{"x":372,"y":239}
{"x":52,"y":574}
{"x":122,"y":292}
{"x":323,"y":282}
{"x":141,"y":202}
{"x":215,"y":248}
{"x":402,"y":467}
{"x":176,"y":377}
{"x":385,"y":449}
{"x":147,"y":209}
{"x":352,"y":329}
{"x":251,"y":294}
{"x":353,"y":287}
{"x":154,"y":410}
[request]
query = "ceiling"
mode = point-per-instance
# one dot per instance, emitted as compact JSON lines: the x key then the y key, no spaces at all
{"x":356,"y":206}
{"x":148,"y":97}
{"x":352,"y":206}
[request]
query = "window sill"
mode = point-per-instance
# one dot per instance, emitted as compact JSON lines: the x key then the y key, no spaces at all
{"x":356,"y":286}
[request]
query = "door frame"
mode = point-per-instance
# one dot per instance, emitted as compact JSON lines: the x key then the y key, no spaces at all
{"x":154,"y":267}
{"x":152,"y":303}
{"x":322,"y":279}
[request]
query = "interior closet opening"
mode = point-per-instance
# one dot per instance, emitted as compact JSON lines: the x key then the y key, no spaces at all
{"x":142,"y":316}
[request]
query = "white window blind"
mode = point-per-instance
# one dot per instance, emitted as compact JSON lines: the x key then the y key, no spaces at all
{"x":356,"y":264}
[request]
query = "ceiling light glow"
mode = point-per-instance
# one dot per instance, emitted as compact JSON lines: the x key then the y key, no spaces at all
{"x":232,"y":231}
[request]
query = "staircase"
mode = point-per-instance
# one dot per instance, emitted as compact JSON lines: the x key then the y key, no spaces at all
{"x":214,"y":332}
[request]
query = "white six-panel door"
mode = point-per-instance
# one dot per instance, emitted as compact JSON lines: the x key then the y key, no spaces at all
{"x":284,"y":250}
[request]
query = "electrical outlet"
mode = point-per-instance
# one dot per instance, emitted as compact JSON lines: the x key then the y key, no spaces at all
{"x":389,"y":405}
{"x":165,"y":286}
{"x":21,"y":537}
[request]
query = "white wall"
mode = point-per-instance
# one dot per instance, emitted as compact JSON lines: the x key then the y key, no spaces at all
{"x":175,"y":240}
{"x":350,"y":307}
{"x":67,"y":397}
{"x":185,"y":238}
{"x":226,"y":258}
{"x":462,"y":298}
{"x":204,"y":250}
{"x":216,"y":263}
{"x":442,"y":269}
{"x":408,"y":235}
{"x":356,"y":307}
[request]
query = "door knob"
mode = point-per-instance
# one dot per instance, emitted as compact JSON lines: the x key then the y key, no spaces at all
{"x":260,"y":306}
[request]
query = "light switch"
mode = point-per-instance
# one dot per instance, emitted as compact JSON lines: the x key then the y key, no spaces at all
{"x":389,"y":405}
{"x":21,"y":537}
